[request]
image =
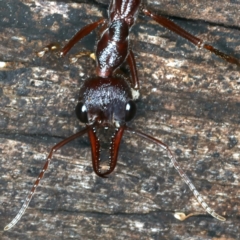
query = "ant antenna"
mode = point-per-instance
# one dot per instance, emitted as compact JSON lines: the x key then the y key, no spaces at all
{"x":182,"y":174}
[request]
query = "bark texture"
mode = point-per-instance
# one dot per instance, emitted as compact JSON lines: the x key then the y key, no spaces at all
{"x":189,"y":99}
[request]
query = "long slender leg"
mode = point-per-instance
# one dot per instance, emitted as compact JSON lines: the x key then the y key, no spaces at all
{"x":180,"y":171}
{"x":49,"y":48}
{"x":195,"y":40}
{"x":76,"y":38}
{"x":133,"y":69}
{"x":40,"y":176}
{"x":79,"y":35}
{"x":81,"y":54}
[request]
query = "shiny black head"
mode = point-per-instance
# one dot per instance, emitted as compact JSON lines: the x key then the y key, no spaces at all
{"x":106,"y":101}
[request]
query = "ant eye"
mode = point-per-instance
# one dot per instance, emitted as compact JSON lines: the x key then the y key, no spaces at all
{"x":130,"y":110}
{"x":81,"y":112}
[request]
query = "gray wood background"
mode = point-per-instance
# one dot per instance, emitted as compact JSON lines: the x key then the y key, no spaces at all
{"x":189,"y":99}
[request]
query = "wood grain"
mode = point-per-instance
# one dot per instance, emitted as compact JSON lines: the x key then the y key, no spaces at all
{"x":189,"y":99}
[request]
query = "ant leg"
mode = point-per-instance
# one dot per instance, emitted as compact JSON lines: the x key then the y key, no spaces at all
{"x":54,"y":47}
{"x":49,"y":48}
{"x":40,"y":176}
{"x":76,"y":38}
{"x":79,"y":35}
{"x":196,"y":41}
{"x":132,"y":64}
{"x":81,"y":54}
{"x":180,"y":171}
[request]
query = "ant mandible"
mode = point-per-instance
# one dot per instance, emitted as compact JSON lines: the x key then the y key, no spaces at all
{"x":107,"y":100}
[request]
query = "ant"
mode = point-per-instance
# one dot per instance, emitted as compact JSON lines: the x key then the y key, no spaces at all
{"x":108,"y":100}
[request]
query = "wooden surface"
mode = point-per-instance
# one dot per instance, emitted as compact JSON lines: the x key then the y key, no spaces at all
{"x":189,"y":99}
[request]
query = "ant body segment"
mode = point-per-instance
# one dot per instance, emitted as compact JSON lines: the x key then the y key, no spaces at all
{"x":108,"y":100}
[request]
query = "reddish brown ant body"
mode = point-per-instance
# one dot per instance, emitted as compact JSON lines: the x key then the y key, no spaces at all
{"x":106,"y":100}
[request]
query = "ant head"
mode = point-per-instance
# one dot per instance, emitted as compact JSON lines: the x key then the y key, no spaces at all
{"x":105,"y":101}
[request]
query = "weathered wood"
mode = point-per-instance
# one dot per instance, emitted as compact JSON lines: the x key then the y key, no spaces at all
{"x":189,"y":99}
